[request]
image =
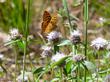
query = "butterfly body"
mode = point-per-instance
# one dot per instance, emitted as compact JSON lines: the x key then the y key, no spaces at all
{"x":49,"y":22}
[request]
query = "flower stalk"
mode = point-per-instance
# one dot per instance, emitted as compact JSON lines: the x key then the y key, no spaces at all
{"x":26,"y":36}
{"x":86,"y":17}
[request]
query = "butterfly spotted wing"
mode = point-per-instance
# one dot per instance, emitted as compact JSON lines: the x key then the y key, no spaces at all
{"x":52,"y":24}
{"x":46,"y":20}
{"x":49,"y":22}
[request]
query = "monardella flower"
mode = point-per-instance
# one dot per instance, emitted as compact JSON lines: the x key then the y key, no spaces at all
{"x":57,"y":57}
{"x":53,"y":36}
{"x":75,"y":37}
{"x":14,"y":33}
{"x":28,"y":76}
{"x":99,"y":43}
{"x":78,"y":58}
{"x":47,"y":51}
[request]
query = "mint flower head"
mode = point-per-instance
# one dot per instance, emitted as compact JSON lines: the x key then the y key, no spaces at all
{"x":53,"y":36}
{"x":47,"y":51}
{"x":99,"y":43}
{"x":14,"y":34}
{"x":58,"y":56}
{"x":78,"y":58}
{"x":75,"y":37}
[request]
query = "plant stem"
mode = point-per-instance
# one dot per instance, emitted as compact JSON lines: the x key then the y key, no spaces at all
{"x":67,"y":12}
{"x":26,"y":35}
{"x":15,"y":63}
{"x":61,"y":74}
{"x":78,"y":72}
{"x":56,"y":48}
{"x":85,"y":30}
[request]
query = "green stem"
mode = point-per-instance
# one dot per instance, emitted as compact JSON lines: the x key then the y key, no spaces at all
{"x":85,"y":30}
{"x":78,"y":72}
{"x":67,"y":12}
{"x":56,"y":48}
{"x":61,"y":74}
{"x":26,"y":35}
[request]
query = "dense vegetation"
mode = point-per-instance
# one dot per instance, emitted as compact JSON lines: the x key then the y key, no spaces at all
{"x":54,"y":41}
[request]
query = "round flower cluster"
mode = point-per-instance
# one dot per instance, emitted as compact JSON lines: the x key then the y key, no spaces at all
{"x":58,"y":56}
{"x":78,"y":58}
{"x":75,"y":37}
{"x":13,"y":34}
{"x":47,"y":51}
{"x":99,"y":43}
{"x":27,"y":76}
{"x":53,"y":36}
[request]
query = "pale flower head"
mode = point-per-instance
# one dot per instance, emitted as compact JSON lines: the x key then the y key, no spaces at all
{"x":47,"y":51}
{"x":99,"y":43}
{"x":28,"y":76}
{"x":78,"y":57}
{"x":14,"y":33}
{"x":20,"y":78}
{"x":75,"y":37}
{"x":57,"y":56}
{"x":76,"y":33}
{"x":54,"y":35}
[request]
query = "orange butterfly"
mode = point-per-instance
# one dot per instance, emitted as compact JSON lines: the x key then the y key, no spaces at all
{"x":49,"y":22}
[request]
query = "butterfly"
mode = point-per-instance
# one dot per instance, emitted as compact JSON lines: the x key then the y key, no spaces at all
{"x":49,"y":22}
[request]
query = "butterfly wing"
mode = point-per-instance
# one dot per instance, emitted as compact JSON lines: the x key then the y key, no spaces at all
{"x":46,"y":16}
{"x":52,"y":24}
{"x":46,"y":20}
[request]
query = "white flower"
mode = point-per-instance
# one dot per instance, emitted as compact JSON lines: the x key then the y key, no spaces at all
{"x":14,"y":33}
{"x":53,"y":35}
{"x":27,"y":76}
{"x":78,"y":57}
{"x":57,"y":57}
{"x":99,"y":43}
{"x":47,"y":50}
{"x":75,"y":37}
{"x":20,"y":78}
{"x":76,"y":33}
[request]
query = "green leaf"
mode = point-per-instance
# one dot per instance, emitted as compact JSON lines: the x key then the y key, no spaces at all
{"x":90,"y":66}
{"x":59,"y":62}
{"x":69,"y":66}
{"x":65,"y":42}
{"x":21,"y":45}
{"x":55,"y":79}
{"x":38,"y":70}
{"x":11,"y":42}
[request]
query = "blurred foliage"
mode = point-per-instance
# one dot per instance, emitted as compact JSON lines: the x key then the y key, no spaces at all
{"x":101,"y":7}
{"x":12,"y":14}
